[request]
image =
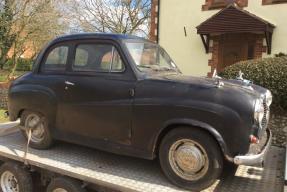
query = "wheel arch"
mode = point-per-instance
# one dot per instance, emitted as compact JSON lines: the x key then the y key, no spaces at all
{"x":31,"y":97}
{"x":173,"y":124}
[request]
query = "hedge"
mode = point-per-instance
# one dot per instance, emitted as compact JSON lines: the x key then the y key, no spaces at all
{"x":22,"y":64}
{"x":270,"y":73}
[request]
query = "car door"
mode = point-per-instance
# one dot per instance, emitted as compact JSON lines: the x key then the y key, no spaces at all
{"x":52,"y":75}
{"x":99,"y":97}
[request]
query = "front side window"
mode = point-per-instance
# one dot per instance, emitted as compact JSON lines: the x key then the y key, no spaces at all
{"x":57,"y":59}
{"x":150,"y":57}
{"x":98,"y":58}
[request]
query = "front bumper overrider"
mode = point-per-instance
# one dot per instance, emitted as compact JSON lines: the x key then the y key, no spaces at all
{"x":254,"y":159}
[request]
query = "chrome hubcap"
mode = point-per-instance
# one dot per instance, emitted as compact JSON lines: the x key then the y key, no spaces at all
{"x":9,"y":182}
{"x":188,"y":159}
{"x":33,"y":122}
{"x":60,"y":190}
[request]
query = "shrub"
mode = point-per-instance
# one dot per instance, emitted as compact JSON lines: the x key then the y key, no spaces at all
{"x":8,"y":64}
{"x":270,"y":73}
{"x":280,"y":54}
{"x":22,"y":64}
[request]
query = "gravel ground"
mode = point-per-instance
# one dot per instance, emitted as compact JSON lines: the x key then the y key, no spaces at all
{"x":278,"y":126}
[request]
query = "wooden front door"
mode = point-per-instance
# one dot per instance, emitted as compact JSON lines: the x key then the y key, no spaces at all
{"x":234,"y":48}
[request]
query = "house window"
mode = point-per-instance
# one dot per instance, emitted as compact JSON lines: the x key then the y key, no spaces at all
{"x":219,"y":4}
{"x":270,"y":2}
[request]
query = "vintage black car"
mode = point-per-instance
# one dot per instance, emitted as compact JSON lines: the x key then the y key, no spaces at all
{"x":125,"y":95}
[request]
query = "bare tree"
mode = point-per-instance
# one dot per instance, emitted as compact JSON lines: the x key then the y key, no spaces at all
{"x":46,"y":25}
{"x":6,"y":36}
{"x":116,"y":16}
{"x":26,"y":24}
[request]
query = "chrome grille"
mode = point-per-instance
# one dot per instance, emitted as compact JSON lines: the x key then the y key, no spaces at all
{"x":265,"y":119}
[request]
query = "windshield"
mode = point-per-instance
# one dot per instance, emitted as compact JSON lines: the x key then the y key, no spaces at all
{"x":150,"y":57}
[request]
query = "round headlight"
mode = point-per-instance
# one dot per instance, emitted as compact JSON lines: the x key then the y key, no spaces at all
{"x":268,"y":97}
{"x":258,"y":110}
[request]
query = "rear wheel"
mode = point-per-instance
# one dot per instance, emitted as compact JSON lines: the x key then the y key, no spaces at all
{"x":190,"y":158}
{"x":38,"y":124}
{"x":65,"y":184}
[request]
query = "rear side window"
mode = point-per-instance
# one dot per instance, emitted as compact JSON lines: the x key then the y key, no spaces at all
{"x":98,"y":58}
{"x":57,"y":59}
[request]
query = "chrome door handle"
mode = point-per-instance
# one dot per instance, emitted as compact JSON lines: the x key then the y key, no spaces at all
{"x":69,"y":83}
{"x":132,"y":92}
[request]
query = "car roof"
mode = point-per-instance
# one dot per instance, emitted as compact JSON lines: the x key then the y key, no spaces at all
{"x":85,"y":36}
{"x":82,"y":36}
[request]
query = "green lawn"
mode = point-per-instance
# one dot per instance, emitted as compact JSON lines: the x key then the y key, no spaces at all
{"x":2,"y":116}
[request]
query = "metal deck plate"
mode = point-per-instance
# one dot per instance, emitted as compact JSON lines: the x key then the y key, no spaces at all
{"x":132,"y":174}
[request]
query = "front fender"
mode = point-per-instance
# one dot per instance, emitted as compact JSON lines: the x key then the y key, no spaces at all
{"x":31,"y":97}
{"x":201,"y":125}
{"x":223,"y":123}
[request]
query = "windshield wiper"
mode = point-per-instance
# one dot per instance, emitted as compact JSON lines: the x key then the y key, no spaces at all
{"x":152,"y":67}
{"x":167,"y":69}
{"x":157,"y":68}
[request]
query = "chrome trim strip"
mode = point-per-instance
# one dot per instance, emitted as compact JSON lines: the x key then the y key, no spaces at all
{"x":256,"y":158}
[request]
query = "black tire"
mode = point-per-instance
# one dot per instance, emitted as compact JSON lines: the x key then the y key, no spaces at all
{"x":229,"y":168}
{"x":66,"y":183}
{"x":22,"y":177}
{"x":212,"y":169}
{"x":47,"y":140}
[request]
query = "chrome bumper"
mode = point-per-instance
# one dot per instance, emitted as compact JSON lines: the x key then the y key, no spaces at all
{"x":253,"y":159}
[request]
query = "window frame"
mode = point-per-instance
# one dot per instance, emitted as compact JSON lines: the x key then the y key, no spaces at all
{"x":47,"y":53}
{"x":93,"y":72}
{"x":211,"y":5}
{"x":273,"y":2}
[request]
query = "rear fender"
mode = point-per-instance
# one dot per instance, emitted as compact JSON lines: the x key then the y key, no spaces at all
{"x":32,"y":97}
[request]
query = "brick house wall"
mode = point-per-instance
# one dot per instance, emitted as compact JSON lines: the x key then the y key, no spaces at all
{"x":153,"y":36}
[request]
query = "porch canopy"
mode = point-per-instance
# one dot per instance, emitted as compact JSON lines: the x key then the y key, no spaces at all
{"x":233,"y":19}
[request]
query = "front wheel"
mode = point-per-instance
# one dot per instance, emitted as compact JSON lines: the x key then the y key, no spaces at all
{"x":190,"y":158}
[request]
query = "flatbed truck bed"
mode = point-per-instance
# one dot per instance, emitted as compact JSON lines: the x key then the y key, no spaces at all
{"x":111,"y":172}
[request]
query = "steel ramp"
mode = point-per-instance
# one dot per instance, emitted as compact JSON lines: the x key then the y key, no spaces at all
{"x":132,"y":174}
